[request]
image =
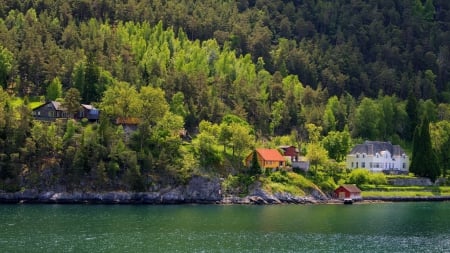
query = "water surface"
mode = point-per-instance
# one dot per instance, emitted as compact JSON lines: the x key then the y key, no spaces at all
{"x":387,"y":227}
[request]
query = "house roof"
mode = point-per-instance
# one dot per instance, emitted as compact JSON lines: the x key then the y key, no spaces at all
{"x":350,"y":188}
{"x":287,"y":146}
{"x":127,"y":121}
{"x":55,"y":104}
{"x":88,"y":107}
{"x":270,"y":154}
{"x":373,"y":147}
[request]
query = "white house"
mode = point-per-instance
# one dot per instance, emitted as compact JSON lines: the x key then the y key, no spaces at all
{"x":378,"y":156}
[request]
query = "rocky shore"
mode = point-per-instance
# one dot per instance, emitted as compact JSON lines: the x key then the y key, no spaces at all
{"x":199,"y":190}
{"x":177,"y":197}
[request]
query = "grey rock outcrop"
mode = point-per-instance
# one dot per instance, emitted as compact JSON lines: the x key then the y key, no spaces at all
{"x":198,"y":190}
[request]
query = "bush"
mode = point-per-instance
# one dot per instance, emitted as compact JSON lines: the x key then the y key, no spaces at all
{"x":279,"y":177}
{"x":377,"y":179}
{"x":359,"y":177}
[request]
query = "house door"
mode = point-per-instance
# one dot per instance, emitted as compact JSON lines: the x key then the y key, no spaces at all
{"x":342,"y":195}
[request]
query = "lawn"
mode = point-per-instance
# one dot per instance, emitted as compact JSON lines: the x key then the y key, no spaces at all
{"x":16,"y":102}
{"x":406,"y":191}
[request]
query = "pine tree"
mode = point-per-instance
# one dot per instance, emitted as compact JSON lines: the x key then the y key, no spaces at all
{"x":424,"y":161}
{"x":255,"y":168}
{"x":411,"y":110}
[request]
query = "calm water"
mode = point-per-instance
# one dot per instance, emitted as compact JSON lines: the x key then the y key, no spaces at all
{"x":388,"y":227}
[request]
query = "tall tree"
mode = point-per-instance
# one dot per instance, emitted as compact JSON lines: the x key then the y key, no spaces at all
{"x":6,"y":60}
{"x":424,"y":161}
{"x":413,"y":115}
{"x":72,"y":101}
{"x":54,"y":89}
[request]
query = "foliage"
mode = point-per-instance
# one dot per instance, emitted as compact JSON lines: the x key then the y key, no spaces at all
{"x":363,"y":176}
{"x":255,"y":168}
{"x":424,"y":161}
{"x":72,"y":101}
{"x":54,"y":89}
{"x":290,"y":182}
{"x":254,"y":70}
{"x":337,"y":144}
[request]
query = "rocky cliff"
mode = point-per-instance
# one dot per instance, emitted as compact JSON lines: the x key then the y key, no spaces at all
{"x":197,"y":190}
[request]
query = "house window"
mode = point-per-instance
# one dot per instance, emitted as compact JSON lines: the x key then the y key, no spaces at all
{"x":363,"y":164}
{"x":356,"y":164}
{"x":357,"y":156}
{"x":352,"y":165}
{"x":364,"y":156}
{"x":404,"y":165}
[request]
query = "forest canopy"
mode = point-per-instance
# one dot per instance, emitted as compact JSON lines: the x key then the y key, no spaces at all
{"x":235,"y":74}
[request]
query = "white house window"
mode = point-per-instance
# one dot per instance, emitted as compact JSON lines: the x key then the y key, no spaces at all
{"x":404,"y":165}
{"x":364,"y":156}
{"x":363,"y":164}
{"x":356,"y":164}
{"x":357,"y":155}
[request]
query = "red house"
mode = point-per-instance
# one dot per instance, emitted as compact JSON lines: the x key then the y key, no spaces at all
{"x":290,"y":152}
{"x":349,"y":191}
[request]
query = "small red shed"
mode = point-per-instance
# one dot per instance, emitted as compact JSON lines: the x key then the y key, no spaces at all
{"x":349,"y":191}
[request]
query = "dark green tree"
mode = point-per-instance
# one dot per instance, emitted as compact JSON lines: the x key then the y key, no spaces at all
{"x":72,"y":101}
{"x":424,"y":161}
{"x":255,"y":168}
{"x":413,"y":115}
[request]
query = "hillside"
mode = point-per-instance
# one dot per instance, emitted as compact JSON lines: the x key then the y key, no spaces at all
{"x":235,"y":75}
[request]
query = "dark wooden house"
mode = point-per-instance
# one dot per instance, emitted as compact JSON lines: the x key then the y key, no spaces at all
{"x":50,"y":111}
{"x":53,"y":110}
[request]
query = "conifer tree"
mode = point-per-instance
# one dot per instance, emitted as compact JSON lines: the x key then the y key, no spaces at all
{"x":255,"y":168}
{"x":424,"y":161}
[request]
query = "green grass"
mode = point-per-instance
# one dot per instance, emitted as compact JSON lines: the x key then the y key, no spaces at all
{"x":287,"y":182}
{"x":404,"y":191}
{"x":17,"y":101}
{"x":398,"y":194}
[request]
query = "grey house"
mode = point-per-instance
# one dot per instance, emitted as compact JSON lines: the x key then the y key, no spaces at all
{"x":53,"y":110}
{"x":50,"y":111}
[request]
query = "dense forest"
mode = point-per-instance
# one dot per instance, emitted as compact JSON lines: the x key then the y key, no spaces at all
{"x":320,"y":75}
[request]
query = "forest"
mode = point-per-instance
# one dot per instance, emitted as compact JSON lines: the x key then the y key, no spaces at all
{"x":235,"y":75}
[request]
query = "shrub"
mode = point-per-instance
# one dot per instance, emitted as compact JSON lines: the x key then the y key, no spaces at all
{"x":377,"y":179}
{"x":358,"y":177}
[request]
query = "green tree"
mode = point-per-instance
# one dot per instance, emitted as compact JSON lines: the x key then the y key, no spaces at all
{"x":424,"y":161}
{"x":255,"y":168}
{"x":72,"y":101}
{"x":121,"y":100}
{"x":367,"y":118}
{"x":337,"y":144}
{"x":54,"y":89}
{"x":6,"y":63}
{"x":154,"y":104}
{"x":440,"y":139}
{"x":413,"y":115}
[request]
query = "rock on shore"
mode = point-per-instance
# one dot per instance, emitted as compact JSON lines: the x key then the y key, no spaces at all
{"x":197,"y":190}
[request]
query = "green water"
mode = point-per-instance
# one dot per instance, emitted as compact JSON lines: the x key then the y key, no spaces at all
{"x":388,"y":227}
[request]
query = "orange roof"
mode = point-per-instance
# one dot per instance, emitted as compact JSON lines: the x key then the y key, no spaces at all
{"x":270,"y":154}
{"x":127,"y":121}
